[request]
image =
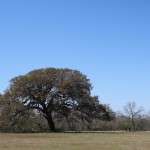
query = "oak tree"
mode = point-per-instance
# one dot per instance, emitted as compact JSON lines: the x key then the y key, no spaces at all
{"x":57,"y":93}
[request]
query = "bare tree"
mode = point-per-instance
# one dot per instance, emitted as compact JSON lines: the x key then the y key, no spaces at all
{"x":133,"y":114}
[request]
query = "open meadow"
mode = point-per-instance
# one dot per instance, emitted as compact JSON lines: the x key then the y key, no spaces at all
{"x":75,"y":141}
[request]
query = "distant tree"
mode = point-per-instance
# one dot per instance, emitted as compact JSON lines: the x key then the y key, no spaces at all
{"x":57,"y":93}
{"x":133,"y":113}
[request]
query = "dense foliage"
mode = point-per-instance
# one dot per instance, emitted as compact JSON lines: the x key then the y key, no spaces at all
{"x":57,"y":94}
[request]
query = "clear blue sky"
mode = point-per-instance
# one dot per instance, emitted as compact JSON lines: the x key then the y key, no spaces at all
{"x":108,"y":40}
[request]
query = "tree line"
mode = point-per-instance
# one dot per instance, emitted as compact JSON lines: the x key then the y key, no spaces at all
{"x":54,"y":99}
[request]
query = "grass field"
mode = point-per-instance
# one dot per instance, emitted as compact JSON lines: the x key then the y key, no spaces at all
{"x":75,"y":141}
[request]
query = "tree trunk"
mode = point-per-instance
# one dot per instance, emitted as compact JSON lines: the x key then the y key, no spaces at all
{"x":51,"y":123}
{"x":133,"y":125}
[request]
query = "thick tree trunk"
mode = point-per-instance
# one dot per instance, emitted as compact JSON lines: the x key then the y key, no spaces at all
{"x":51,"y":123}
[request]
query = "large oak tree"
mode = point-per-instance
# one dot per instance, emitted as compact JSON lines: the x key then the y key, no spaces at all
{"x":57,"y":92}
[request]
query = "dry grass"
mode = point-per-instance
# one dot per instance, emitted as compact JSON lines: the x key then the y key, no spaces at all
{"x":76,"y":141}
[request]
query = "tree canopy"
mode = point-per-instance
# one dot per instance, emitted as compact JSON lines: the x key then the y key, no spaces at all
{"x":57,"y":93}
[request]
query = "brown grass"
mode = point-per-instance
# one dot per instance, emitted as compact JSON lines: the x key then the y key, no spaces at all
{"x":76,"y":141}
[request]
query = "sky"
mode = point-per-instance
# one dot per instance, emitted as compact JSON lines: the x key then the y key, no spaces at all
{"x":108,"y":40}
